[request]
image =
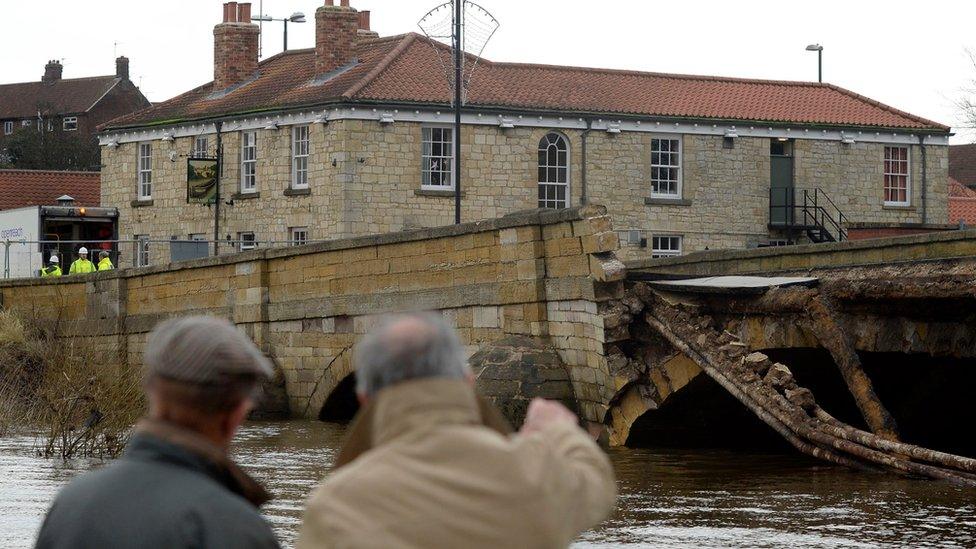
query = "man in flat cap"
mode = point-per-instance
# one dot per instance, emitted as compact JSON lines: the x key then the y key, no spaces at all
{"x":175,"y":486}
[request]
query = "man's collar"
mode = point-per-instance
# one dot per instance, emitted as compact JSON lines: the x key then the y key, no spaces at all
{"x":412,"y":404}
{"x":239,"y":481}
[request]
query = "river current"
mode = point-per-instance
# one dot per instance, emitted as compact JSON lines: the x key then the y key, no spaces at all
{"x":668,"y":498}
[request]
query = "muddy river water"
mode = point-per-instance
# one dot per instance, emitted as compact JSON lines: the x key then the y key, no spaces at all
{"x":668,"y":498}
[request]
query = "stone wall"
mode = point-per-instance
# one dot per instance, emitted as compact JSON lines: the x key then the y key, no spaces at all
{"x":545,"y":274}
{"x":792,"y":259}
{"x":365,"y":178}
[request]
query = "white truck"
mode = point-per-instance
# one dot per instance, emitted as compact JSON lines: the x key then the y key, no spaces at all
{"x":30,"y":235}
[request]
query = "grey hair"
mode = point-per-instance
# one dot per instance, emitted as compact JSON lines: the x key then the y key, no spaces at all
{"x":406,"y":347}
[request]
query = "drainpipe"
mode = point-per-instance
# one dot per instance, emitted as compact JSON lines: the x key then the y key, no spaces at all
{"x":586,"y":132}
{"x":921,"y":143}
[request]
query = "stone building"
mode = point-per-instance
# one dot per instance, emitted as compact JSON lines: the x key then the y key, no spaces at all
{"x":354,"y":137}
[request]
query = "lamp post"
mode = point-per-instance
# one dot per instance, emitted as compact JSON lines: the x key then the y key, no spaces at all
{"x":297,"y":17}
{"x":819,"y":49}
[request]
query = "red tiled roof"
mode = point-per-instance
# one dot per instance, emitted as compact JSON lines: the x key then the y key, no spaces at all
{"x":959,"y":190}
{"x":962,"y":164}
{"x":406,"y":69}
{"x":21,"y":188}
{"x":73,"y":95}
{"x":962,"y":203}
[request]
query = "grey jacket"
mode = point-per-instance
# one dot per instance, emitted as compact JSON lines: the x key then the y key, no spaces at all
{"x":168,"y":490}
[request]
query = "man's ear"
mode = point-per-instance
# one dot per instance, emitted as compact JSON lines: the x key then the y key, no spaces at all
{"x":470,"y":378}
{"x":363,"y":399}
{"x":237,"y":416}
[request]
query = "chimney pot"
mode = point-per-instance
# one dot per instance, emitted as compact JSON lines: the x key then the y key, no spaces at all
{"x":244,"y":12}
{"x":364,"y":20}
{"x":344,"y":3}
{"x":122,"y":68}
{"x":230,"y":12}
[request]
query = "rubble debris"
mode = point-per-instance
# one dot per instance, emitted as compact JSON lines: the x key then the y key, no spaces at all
{"x":791,"y":410}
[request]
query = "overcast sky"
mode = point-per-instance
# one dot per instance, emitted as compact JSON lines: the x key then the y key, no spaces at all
{"x":906,"y":53}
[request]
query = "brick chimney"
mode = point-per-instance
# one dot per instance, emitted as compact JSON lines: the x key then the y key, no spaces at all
{"x":235,"y":46}
{"x":122,"y":68}
{"x":52,"y":71}
{"x":336,"y":29}
{"x":364,"y":30}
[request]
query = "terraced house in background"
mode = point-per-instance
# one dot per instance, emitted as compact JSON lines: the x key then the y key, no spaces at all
{"x":75,"y":106}
{"x":354,"y":137}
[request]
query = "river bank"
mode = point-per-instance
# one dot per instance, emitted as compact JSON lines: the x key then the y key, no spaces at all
{"x":668,"y":498}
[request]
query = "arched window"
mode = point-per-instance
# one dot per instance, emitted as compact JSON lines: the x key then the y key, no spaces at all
{"x":553,"y":171}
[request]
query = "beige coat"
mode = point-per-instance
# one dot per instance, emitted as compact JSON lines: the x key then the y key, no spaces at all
{"x":432,"y":474}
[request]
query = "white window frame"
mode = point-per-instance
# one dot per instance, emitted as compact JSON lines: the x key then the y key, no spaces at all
{"x":144,"y":169}
{"x":907,"y":175}
{"x":8,"y":127}
{"x":546,"y":185}
{"x":300,"y":148}
{"x":427,"y":158}
{"x":666,"y":245}
{"x":142,"y":250}
{"x":246,"y":240}
{"x":201,"y":146}
{"x":249,"y":162}
{"x":69,"y":123}
{"x":25,"y":123}
{"x":297,"y":236}
{"x":659,"y":165}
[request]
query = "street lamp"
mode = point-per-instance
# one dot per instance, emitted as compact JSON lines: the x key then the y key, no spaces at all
{"x":819,"y":49}
{"x":297,"y":17}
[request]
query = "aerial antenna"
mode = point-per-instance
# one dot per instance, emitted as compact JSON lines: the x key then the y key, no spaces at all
{"x":466,"y":28}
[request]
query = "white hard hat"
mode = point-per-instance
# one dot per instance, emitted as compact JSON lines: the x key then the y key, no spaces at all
{"x":54,"y":259}
{"x":83,"y":251}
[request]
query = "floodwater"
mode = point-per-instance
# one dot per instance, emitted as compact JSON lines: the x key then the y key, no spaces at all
{"x":668,"y":498}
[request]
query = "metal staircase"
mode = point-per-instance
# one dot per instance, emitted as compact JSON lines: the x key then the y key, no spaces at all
{"x":807,"y":211}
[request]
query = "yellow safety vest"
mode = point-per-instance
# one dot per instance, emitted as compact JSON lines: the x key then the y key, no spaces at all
{"x":105,"y":265}
{"x":81,"y":266}
{"x":53,"y":270}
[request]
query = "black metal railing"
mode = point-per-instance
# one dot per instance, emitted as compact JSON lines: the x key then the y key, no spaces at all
{"x":809,"y":210}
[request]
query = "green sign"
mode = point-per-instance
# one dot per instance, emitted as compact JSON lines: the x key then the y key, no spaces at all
{"x":201,"y":180}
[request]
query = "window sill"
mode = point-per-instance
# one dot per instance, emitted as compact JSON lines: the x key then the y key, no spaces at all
{"x":653,"y":201}
{"x":245,"y":196}
{"x":446,"y":193}
{"x":899,"y":207}
{"x":142,"y":203}
{"x":298,"y":192}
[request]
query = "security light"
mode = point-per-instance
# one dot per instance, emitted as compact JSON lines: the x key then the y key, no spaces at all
{"x":731,"y":133}
{"x":271,"y":126}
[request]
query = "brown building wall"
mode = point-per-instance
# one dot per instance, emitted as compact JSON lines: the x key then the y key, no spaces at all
{"x":365,"y":178}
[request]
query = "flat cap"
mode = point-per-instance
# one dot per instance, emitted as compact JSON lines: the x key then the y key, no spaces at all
{"x":202,"y":350}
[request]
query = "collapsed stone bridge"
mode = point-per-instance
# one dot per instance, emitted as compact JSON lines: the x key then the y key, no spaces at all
{"x":545,"y":308}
